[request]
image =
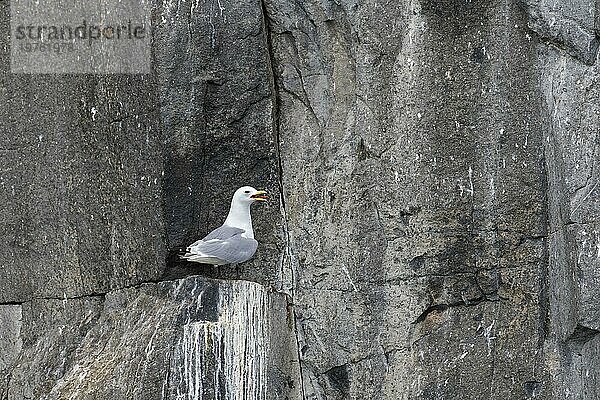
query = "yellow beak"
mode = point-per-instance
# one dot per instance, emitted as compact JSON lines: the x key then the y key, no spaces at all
{"x":260,"y":195}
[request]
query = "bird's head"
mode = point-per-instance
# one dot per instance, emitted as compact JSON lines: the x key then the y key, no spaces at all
{"x":247,"y":194}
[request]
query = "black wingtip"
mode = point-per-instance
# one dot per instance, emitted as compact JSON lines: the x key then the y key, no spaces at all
{"x":179,"y":267}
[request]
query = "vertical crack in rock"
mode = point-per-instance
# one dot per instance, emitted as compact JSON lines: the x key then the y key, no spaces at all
{"x":226,"y":359}
{"x":287,"y":257}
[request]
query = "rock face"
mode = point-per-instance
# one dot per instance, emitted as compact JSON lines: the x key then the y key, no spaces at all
{"x":180,"y":339}
{"x":433,"y":233}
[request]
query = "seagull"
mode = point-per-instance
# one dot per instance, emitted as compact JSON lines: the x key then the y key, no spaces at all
{"x":233,"y":242}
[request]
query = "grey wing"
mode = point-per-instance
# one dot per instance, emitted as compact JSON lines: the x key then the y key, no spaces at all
{"x":235,"y":249}
{"x":223,"y":232}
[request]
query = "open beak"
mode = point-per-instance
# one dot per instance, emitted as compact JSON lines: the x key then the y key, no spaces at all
{"x":260,"y":195}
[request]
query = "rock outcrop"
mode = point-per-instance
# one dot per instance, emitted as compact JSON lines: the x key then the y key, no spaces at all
{"x":433,"y":230}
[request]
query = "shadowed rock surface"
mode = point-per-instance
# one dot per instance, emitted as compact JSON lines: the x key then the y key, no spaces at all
{"x":433,"y":230}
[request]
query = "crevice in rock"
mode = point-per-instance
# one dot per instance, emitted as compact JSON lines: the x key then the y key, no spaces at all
{"x":433,"y":308}
{"x":466,"y":303}
{"x":275,"y":124}
{"x":64,"y":298}
{"x":328,"y":289}
{"x":305,"y":103}
{"x":287,"y":256}
{"x":570,"y":223}
{"x":134,"y":286}
{"x":387,"y":354}
{"x":586,"y":183}
{"x":97,"y":294}
{"x":488,"y":294}
{"x":12,"y":303}
{"x":453,"y":274}
{"x":78,"y":297}
{"x":583,"y":200}
{"x":244,"y":113}
{"x":289,"y":35}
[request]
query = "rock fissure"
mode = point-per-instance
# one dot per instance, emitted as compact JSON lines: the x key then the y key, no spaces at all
{"x":287,"y":257}
{"x":465,"y":303}
{"x":304,"y":102}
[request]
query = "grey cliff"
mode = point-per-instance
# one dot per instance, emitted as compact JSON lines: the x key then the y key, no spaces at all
{"x":433,"y":233}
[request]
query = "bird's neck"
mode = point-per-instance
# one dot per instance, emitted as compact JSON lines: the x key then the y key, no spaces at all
{"x":239,"y":217}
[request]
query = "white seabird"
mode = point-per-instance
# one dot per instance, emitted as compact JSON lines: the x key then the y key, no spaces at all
{"x":233,"y":242}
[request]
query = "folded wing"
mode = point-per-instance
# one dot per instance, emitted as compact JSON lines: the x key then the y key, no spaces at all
{"x":224,"y":245}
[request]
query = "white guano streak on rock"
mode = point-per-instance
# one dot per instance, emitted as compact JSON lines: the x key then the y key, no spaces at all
{"x":228,"y":357}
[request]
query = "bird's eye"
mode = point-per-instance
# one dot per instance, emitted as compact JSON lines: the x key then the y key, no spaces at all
{"x":247,"y":191}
